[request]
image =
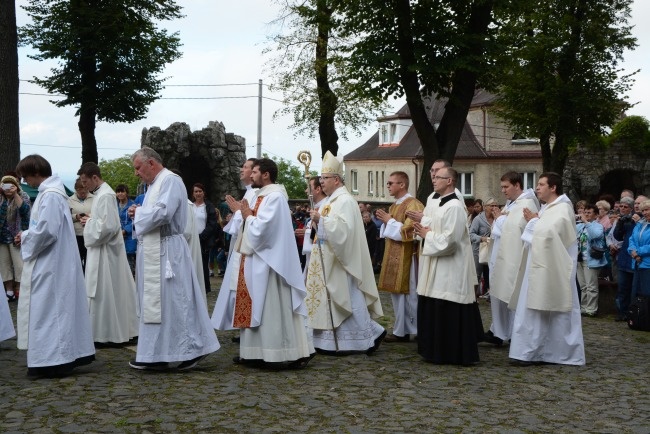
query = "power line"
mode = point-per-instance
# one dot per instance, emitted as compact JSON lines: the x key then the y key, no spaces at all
{"x":173,"y":98}
{"x":194,"y":85}
{"x":74,"y":147}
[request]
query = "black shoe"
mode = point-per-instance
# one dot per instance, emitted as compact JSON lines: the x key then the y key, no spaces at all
{"x":189,"y":364}
{"x":301,"y":363}
{"x":521,"y":363}
{"x":392,"y":338}
{"x":235,"y":339}
{"x":11,"y":297}
{"x":491,"y":339}
{"x":377,"y":343}
{"x":143,"y":366}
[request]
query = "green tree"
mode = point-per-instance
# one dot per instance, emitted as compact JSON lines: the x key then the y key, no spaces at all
{"x":633,"y":131}
{"x":308,"y":64}
{"x":9,"y":125}
{"x":110,"y":54}
{"x":563,"y":83}
{"x":418,"y":49}
{"x":120,"y":171}
{"x":292,"y":177}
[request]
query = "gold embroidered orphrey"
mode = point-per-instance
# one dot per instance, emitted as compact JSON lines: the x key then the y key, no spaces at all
{"x":398,"y":255}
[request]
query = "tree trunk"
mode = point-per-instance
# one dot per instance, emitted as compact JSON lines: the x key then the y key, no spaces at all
{"x":88,"y":89}
{"x":410,"y":83}
{"x":86,"y":124}
{"x":327,"y":100}
{"x":9,"y":84}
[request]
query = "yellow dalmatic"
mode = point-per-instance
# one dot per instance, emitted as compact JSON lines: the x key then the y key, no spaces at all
{"x":398,"y":255}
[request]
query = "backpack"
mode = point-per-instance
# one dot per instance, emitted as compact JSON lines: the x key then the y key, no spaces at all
{"x":638,"y":315}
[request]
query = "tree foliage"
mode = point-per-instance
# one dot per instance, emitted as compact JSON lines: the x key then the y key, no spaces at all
{"x":292,"y":177}
{"x":421,"y":49}
{"x":9,"y":125}
{"x":120,"y":171}
{"x":561,"y":81}
{"x":109,"y":56}
{"x":633,"y":132}
{"x":308,"y":63}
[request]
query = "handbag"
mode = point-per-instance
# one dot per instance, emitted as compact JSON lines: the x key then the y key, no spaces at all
{"x":484,"y":251}
{"x":638,"y":315}
{"x":596,"y":252}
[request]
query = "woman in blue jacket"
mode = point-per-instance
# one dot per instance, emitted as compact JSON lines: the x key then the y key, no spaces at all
{"x":123,"y":204}
{"x":591,"y":258}
{"x":639,"y":249}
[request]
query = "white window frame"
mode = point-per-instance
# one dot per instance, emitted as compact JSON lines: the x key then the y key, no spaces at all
{"x":371,"y":188}
{"x":526,"y":177}
{"x":383,"y":137}
{"x":354,"y":180}
{"x":383,"y":184}
{"x":393,"y":133}
{"x":463,"y":181}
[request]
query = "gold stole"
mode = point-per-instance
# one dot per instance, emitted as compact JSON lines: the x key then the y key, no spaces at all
{"x":396,"y":265}
{"x":243,"y":314}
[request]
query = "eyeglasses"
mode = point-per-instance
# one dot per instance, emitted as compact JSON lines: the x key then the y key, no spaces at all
{"x":327,"y":177}
{"x":441,"y":177}
{"x":389,"y":183}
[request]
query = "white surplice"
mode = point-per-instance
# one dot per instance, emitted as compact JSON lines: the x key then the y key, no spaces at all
{"x":507,"y":251}
{"x":53,"y":320}
{"x":547,"y":325}
{"x":222,"y":315}
{"x":275,"y":284}
{"x":191,"y":234}
{"x":109,"y":283}
{"x":184,"y":331}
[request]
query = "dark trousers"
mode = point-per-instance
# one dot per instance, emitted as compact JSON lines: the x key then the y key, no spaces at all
{"x":82,"y":251}
{"x":624,"y":292}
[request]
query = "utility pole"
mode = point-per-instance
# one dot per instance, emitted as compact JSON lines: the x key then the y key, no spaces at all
{"x":259,"y":121}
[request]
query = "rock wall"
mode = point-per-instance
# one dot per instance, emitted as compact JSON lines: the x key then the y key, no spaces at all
{"x":591,"y":173}
{"x":209,"y":156}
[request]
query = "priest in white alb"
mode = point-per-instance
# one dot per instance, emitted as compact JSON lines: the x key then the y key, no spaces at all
{"x":270,"y":302}
{"x":547,"y":325}
{"x":109,"y":282}
{"x":175,"y":329}
{"x":449,"y":322}
{"x":53,"y":320}
{"x":507,"y":251}
{"x":222,"y":315}
{"x":342,"y":297}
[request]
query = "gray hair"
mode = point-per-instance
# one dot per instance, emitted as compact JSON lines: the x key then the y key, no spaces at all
{"x":627,"y":201}
{"x":146,"y":153}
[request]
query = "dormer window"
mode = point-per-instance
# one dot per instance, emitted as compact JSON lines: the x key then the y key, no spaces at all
{"x":392,"y":130}
{"x":384,"y":135}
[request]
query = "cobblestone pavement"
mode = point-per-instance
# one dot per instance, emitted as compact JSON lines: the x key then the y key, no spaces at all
{"x":390,"y":391}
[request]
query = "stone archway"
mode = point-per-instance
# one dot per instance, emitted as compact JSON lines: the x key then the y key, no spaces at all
{"x":209,"y":156}
{"x":591,"y":173}
{"x":195,"y":169}
{"x":617,"y":180}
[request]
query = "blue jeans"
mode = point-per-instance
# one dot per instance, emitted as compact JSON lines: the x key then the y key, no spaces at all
{"x":624,"y":293}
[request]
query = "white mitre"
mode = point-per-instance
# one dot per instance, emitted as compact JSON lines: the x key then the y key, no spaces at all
{"x":333,"y":165}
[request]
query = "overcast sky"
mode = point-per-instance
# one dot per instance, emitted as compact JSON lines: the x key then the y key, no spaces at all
{"x":222,"y":44}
